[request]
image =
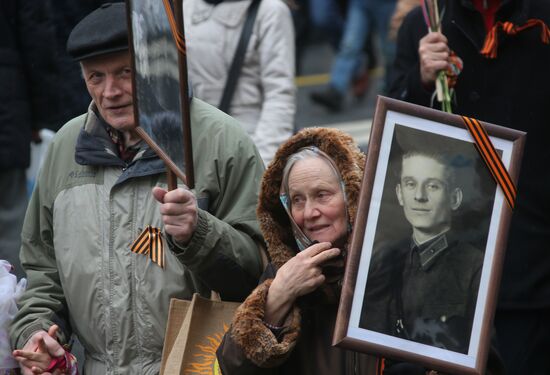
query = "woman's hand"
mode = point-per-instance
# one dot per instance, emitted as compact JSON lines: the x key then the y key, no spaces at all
{"x":301,"y":275}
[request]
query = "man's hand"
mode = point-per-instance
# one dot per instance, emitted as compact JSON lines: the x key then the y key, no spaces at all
{"x":433,"y":52}
{"x":179,"y":212}
{"x":37,"y":353}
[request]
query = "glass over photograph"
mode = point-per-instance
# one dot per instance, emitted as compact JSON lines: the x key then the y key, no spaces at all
{"x":157,"y":86}
{"x":427,"y":248}
{"x":429,"y":242}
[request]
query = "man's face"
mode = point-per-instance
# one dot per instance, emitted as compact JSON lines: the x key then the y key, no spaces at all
{"x":425,"y":194}
{"x":109,"y":82}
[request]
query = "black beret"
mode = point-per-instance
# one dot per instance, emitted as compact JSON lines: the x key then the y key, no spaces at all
{"x":100,"y":32}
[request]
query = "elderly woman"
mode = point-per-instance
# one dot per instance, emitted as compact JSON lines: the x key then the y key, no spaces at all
{"x":307,"y":205}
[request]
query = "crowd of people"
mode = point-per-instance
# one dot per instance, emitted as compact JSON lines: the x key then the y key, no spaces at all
{"x":259,"y":187}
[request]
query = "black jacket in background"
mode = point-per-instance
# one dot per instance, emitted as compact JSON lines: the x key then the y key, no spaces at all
{"x":512,"y":90}
{"x":74,"y":95}
{"x":28,"y":79}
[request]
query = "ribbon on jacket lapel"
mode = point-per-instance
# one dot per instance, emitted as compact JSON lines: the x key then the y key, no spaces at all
{"x":492,"y":159}
{"x":490,"y":45}
{"x":150,"y":243}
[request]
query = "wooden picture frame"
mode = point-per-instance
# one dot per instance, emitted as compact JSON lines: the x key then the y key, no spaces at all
{"x":410,"y":292}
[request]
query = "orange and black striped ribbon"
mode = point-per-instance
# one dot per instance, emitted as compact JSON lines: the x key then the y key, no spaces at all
{"x":177,"y":34}
{"x":149,"y":242}
{"x":380,"y":365}
{"x":492,"y":159}
{"x":490,"y":45}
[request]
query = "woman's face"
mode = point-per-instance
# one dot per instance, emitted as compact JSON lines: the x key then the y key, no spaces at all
{"x":317,"y":201}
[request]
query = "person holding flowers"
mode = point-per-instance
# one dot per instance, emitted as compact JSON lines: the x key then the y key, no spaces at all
{"x":493,"y":56}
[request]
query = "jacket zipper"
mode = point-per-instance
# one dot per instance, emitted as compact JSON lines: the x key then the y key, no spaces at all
{"x":110,"y":261}
{"x":133,"y":289}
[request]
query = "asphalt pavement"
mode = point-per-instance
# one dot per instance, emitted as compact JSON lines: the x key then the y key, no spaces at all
{"x":314,"y":75}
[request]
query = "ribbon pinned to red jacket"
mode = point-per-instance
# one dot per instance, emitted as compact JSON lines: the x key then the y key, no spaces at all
{"x":492,"y":159}
{"x":150,"y":243}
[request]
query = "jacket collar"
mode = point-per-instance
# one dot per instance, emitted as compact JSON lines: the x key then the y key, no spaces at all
{"x":94,"y":147}
{"x":463,"y":11}
{"x":517,"y":7}
{"x":430,"y":251}
{"x":228,"y":13}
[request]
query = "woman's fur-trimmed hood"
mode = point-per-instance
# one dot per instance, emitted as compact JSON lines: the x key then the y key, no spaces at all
{"x":248,"y":332}
{"x":274,"y":222}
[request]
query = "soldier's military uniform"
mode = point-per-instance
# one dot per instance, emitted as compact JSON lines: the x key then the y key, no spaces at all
{"x":427,"y":292}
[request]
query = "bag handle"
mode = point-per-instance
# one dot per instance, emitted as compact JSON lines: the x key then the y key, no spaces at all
{"x":174,"y":361}
{"x":238,"y":58}
{"x":215,"y":296}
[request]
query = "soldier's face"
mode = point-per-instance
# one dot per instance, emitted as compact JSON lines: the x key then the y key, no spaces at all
{"x":109,"y":82}
{"x":425,"y":194}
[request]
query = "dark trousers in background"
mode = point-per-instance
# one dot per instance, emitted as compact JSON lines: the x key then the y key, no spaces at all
{"x":523,"y":340}
{"x":13,"y":204}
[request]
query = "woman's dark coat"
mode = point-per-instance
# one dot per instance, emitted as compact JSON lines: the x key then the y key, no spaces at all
{"x":304,"y":345}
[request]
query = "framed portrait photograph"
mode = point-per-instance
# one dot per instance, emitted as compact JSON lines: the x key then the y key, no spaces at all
{"x":428,"y":243}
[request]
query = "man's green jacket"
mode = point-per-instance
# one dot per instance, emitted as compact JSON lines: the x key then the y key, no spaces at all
{"x":87,"y":209}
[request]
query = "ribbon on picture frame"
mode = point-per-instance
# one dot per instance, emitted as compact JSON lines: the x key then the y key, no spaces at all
{"x":493,"y":161}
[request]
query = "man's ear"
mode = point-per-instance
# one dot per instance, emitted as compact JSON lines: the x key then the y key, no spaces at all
{"x":399,"y":194}
{"x":456,"y":198}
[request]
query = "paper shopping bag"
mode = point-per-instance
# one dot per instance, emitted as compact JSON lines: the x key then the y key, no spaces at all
{"x":194,"y":331}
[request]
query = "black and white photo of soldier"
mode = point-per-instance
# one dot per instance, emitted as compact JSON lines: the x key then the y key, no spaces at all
{"x":429,"y":244}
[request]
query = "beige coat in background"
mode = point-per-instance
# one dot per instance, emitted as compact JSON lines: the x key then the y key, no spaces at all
{"x":265,"y":97}
{"x":402,"y":8}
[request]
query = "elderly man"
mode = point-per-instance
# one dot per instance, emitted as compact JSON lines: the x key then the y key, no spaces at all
{"x":435,"y":273}
{"x":100,"y":187}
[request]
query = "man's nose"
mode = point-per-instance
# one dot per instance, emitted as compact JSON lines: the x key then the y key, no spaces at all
{"x":111,"y":87}
{"x":420,"y":194}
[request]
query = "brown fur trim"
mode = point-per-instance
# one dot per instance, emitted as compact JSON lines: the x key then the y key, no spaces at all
{"x":274,"y":222}
{"x":257,"y":341}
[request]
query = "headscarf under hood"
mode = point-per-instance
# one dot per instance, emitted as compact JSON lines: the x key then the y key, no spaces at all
{"x":274,"y":221}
